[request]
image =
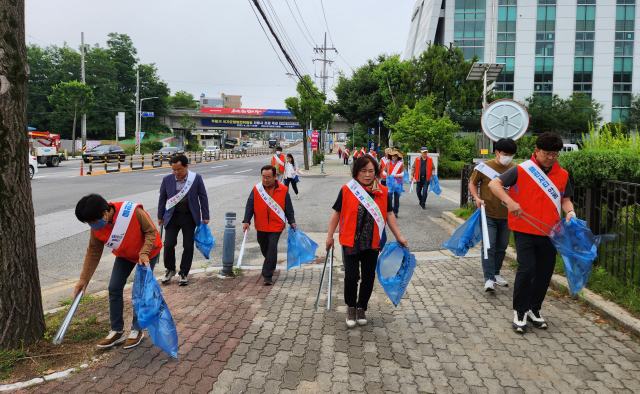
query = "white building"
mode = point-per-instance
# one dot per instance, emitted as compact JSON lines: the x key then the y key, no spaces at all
{"x":548,"y":46}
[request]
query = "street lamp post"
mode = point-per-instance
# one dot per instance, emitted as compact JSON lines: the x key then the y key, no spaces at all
{"x":139,"y":142}
{"x":379,"y":130}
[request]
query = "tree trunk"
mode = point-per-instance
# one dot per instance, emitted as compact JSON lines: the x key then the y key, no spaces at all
{"x":21,"y":316}
{"x":73,"y":136}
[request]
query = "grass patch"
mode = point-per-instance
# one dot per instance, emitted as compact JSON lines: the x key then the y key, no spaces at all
{"x":69,"y":301}
{"x":614,"y":289}
{"x":466,"y":211}
{"x":9,"y":358}
{"x":238,"y":271}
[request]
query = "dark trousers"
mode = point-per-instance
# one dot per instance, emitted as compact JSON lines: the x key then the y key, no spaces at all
{"x":346,"y":159}
{"x":269,"y":247}
{"x":179,"y":221}
{"x":498,"y":241}
{"x":396,"y":203}
{"x":536,"y":260}
{"x":422,"y":188}
{"x":364,"y":262}
{"x":293,"y":183}
{"x":119,"y":274}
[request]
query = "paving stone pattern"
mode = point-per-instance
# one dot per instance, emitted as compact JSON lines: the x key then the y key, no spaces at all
{"x":447,"y":335}
{"x":212,"y":316}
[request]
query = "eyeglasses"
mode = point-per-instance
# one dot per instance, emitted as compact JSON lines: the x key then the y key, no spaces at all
{"x":550,"y":155}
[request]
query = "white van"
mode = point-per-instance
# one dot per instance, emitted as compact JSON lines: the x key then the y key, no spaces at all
{"x":569,"y":148}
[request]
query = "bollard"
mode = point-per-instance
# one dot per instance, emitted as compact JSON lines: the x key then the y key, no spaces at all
{"x":131,"y":161}
{"x":106,"y":161}
{"x":118,"y":162}
{"x":90,"y":164}
{"x":229,"y":244}
{"x":322,"y":167}
{"x":82,"y":168}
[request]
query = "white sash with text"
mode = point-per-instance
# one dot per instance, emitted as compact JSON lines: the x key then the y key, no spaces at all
{"x":368,"y":202}
{"x":121,"y":224}
{"x":277,"y":158}
{"x":271,"y":203}
{"x":551,"y":190}
{"x":173,"y":201}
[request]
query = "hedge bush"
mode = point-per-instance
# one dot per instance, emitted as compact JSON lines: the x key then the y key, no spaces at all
{"x":589,"y":168}
{"x":526,"y":147}
{"x":450,"y":169}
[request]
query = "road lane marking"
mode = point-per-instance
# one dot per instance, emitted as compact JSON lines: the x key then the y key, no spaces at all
{"x":226,"y":165}
{"x":58,"y":284}
{"x":57,"y":289}
{"x":160,"y":175}
{"x":40,"y":176}
{"x":242,"y":171}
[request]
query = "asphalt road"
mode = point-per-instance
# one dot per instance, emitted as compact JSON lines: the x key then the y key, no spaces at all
{"x":62,"y":240}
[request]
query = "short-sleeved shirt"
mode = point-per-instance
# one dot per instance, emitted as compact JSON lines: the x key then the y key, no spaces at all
{"x":510,"y":178}
{"x":493,"y":205}
{"x":365,"y":225}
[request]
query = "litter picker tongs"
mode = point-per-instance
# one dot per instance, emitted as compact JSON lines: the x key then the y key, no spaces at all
{"x":324,"y":270}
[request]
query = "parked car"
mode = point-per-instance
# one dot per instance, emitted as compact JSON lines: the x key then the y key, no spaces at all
{"x":33,"y":166}
{"x":167,"y":152}
{"x":212,"y":149}
{"x":111,"y":152}
{"x":248,"y":144}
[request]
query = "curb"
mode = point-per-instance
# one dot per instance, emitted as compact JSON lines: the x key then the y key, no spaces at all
{"x":614,"y":312}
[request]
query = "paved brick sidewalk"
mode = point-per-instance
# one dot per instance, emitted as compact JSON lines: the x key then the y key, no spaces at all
{"x":211,"y":314}
{"x":332,"y":166}
{"x":447,"y":335}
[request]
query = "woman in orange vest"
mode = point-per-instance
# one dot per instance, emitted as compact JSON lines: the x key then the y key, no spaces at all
{"x":127,"y":229}
{"x":346,"y":157}
{"x":384,"y":159}
{"x":395,"y":172}
{"x":540,"y":189}
{"x":270,"y":204}
{"x":362,"y":233}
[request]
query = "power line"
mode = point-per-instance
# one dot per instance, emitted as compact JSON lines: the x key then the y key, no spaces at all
{"x":222,"y":84}
{"x":296,"y":19}
{"x":303,"y":22}
{"x":284,"y":52}
{"x":265,"y":33}
{"x":325,"y":22}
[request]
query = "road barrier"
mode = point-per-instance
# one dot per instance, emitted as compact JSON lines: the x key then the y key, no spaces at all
{"x":137,"y":162}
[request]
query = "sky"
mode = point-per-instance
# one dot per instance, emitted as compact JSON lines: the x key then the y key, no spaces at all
{"x":218,"y":46}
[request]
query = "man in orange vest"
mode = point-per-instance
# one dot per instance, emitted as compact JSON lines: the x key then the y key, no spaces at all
{"x":270,"y":203}
{"x":421,"y":173}
{"x":538,"y":191}
{"x":363,"y":151}
{"x":278,"y":161}
{"x":372,"y":153}
{"x":356,"y":154}
{"x":346,"y":157}
{"x":384,"y":159}
{"x":127,"y":229}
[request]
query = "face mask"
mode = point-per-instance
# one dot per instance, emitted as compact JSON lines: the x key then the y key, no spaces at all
{"x":99,"y":225}
{"x":505,"y":160}
{"x":278,"y":152}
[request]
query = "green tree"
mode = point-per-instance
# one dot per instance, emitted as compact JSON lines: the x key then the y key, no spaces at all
{"x":633,"y":120}
{"x":21,"y":316}
{"x":543,"y":112}
{"x":310,"y":110}
{"x":576,"y":113}
{"x":421,"y":126}
{"x":188,"y":125}
{"x":182,"y":99}
{"x":73,"y":98}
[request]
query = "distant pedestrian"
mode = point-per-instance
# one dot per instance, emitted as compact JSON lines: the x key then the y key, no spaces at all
{"x":497,"y":214}
{"x":361,"y":210}
{"x":363,"y":151}
{"x":183,"y":200}
{"x":543,"y":191}
{"x":395,"y":172}
{"x":278,"y":161}
{"x":372,"y":153}
{"x":384,"y":159}
{"x":290,"y":173}
{"x":356,"y":153}
{"x":346,"y":157}
{"x":270,"y":204}
{"x":421,"y":172}
{"x":339,"y":153}
{"x":128,"y":230}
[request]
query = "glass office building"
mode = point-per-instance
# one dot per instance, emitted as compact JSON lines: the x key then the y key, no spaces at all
{"x":548,"y":46}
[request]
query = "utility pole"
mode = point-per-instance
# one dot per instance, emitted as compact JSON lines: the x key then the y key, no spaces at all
{"x":324,"y":77}
{"x":137,"y":111}
{"x":84,"y":116}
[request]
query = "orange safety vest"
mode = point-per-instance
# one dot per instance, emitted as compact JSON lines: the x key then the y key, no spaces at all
{"x":391,"y":166}
{"x":534,"y":201}
{"x":373,"y":154}
{"x":416,"y":173}
{"x":349,"y":217}
{"x":383,"y":166}
{"x":346,"y":152}
{"x":265,"y":219}
{"x":276,"y":164}
{"x":355,"y":154}
{"x":363,"y":152}
{"x":133,"y":239}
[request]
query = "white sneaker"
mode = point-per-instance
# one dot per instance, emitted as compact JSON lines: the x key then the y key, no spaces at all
{"x":297,"y":197}
{"x":488,"y":286}
{"x":519,"y":321}
{"x":500,"y":281}
{"x":535,"y":318}
{"x":351,"y":317}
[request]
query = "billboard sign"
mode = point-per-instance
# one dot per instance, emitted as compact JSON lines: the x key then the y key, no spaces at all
{"x":245,"y":111}
{"x":314,"y":140}
{"x":120,"y":124}
{"x":250,"y":124}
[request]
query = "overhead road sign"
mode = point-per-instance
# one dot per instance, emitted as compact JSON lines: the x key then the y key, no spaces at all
{"x":250,"y":124}
{"x":245,"y":111}
{"x":147,"y":114}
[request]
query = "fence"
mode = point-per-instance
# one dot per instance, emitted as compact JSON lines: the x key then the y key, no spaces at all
{"x":613,"y":208}
{"x":118,"y":163}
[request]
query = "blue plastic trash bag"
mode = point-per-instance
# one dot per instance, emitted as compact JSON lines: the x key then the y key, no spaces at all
{"x":395,"y":269}
{"x":300,"y":248}
{"x":204,"y":240}
{"x":466,"y":236}
{"x":405,"y":177}
{"x":153,"y":312}
{"x":579,"y":248}
{"x":395,"y":185}
{"x":296,"y":179}
{"x":434,"y":185}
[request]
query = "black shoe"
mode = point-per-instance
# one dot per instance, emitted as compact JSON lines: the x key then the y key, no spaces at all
{"x":183,"y":280}
{"x":423,"y":207}
{"x":268,"y":281}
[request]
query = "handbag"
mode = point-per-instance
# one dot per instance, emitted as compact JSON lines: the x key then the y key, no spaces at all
{"x":296,"y":179}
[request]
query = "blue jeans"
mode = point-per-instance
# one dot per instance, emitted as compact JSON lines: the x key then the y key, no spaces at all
{"x":498,"y":240}
{"x":421,"y":190}
{"x":121,"y":270}
{"x":396,"y":203}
